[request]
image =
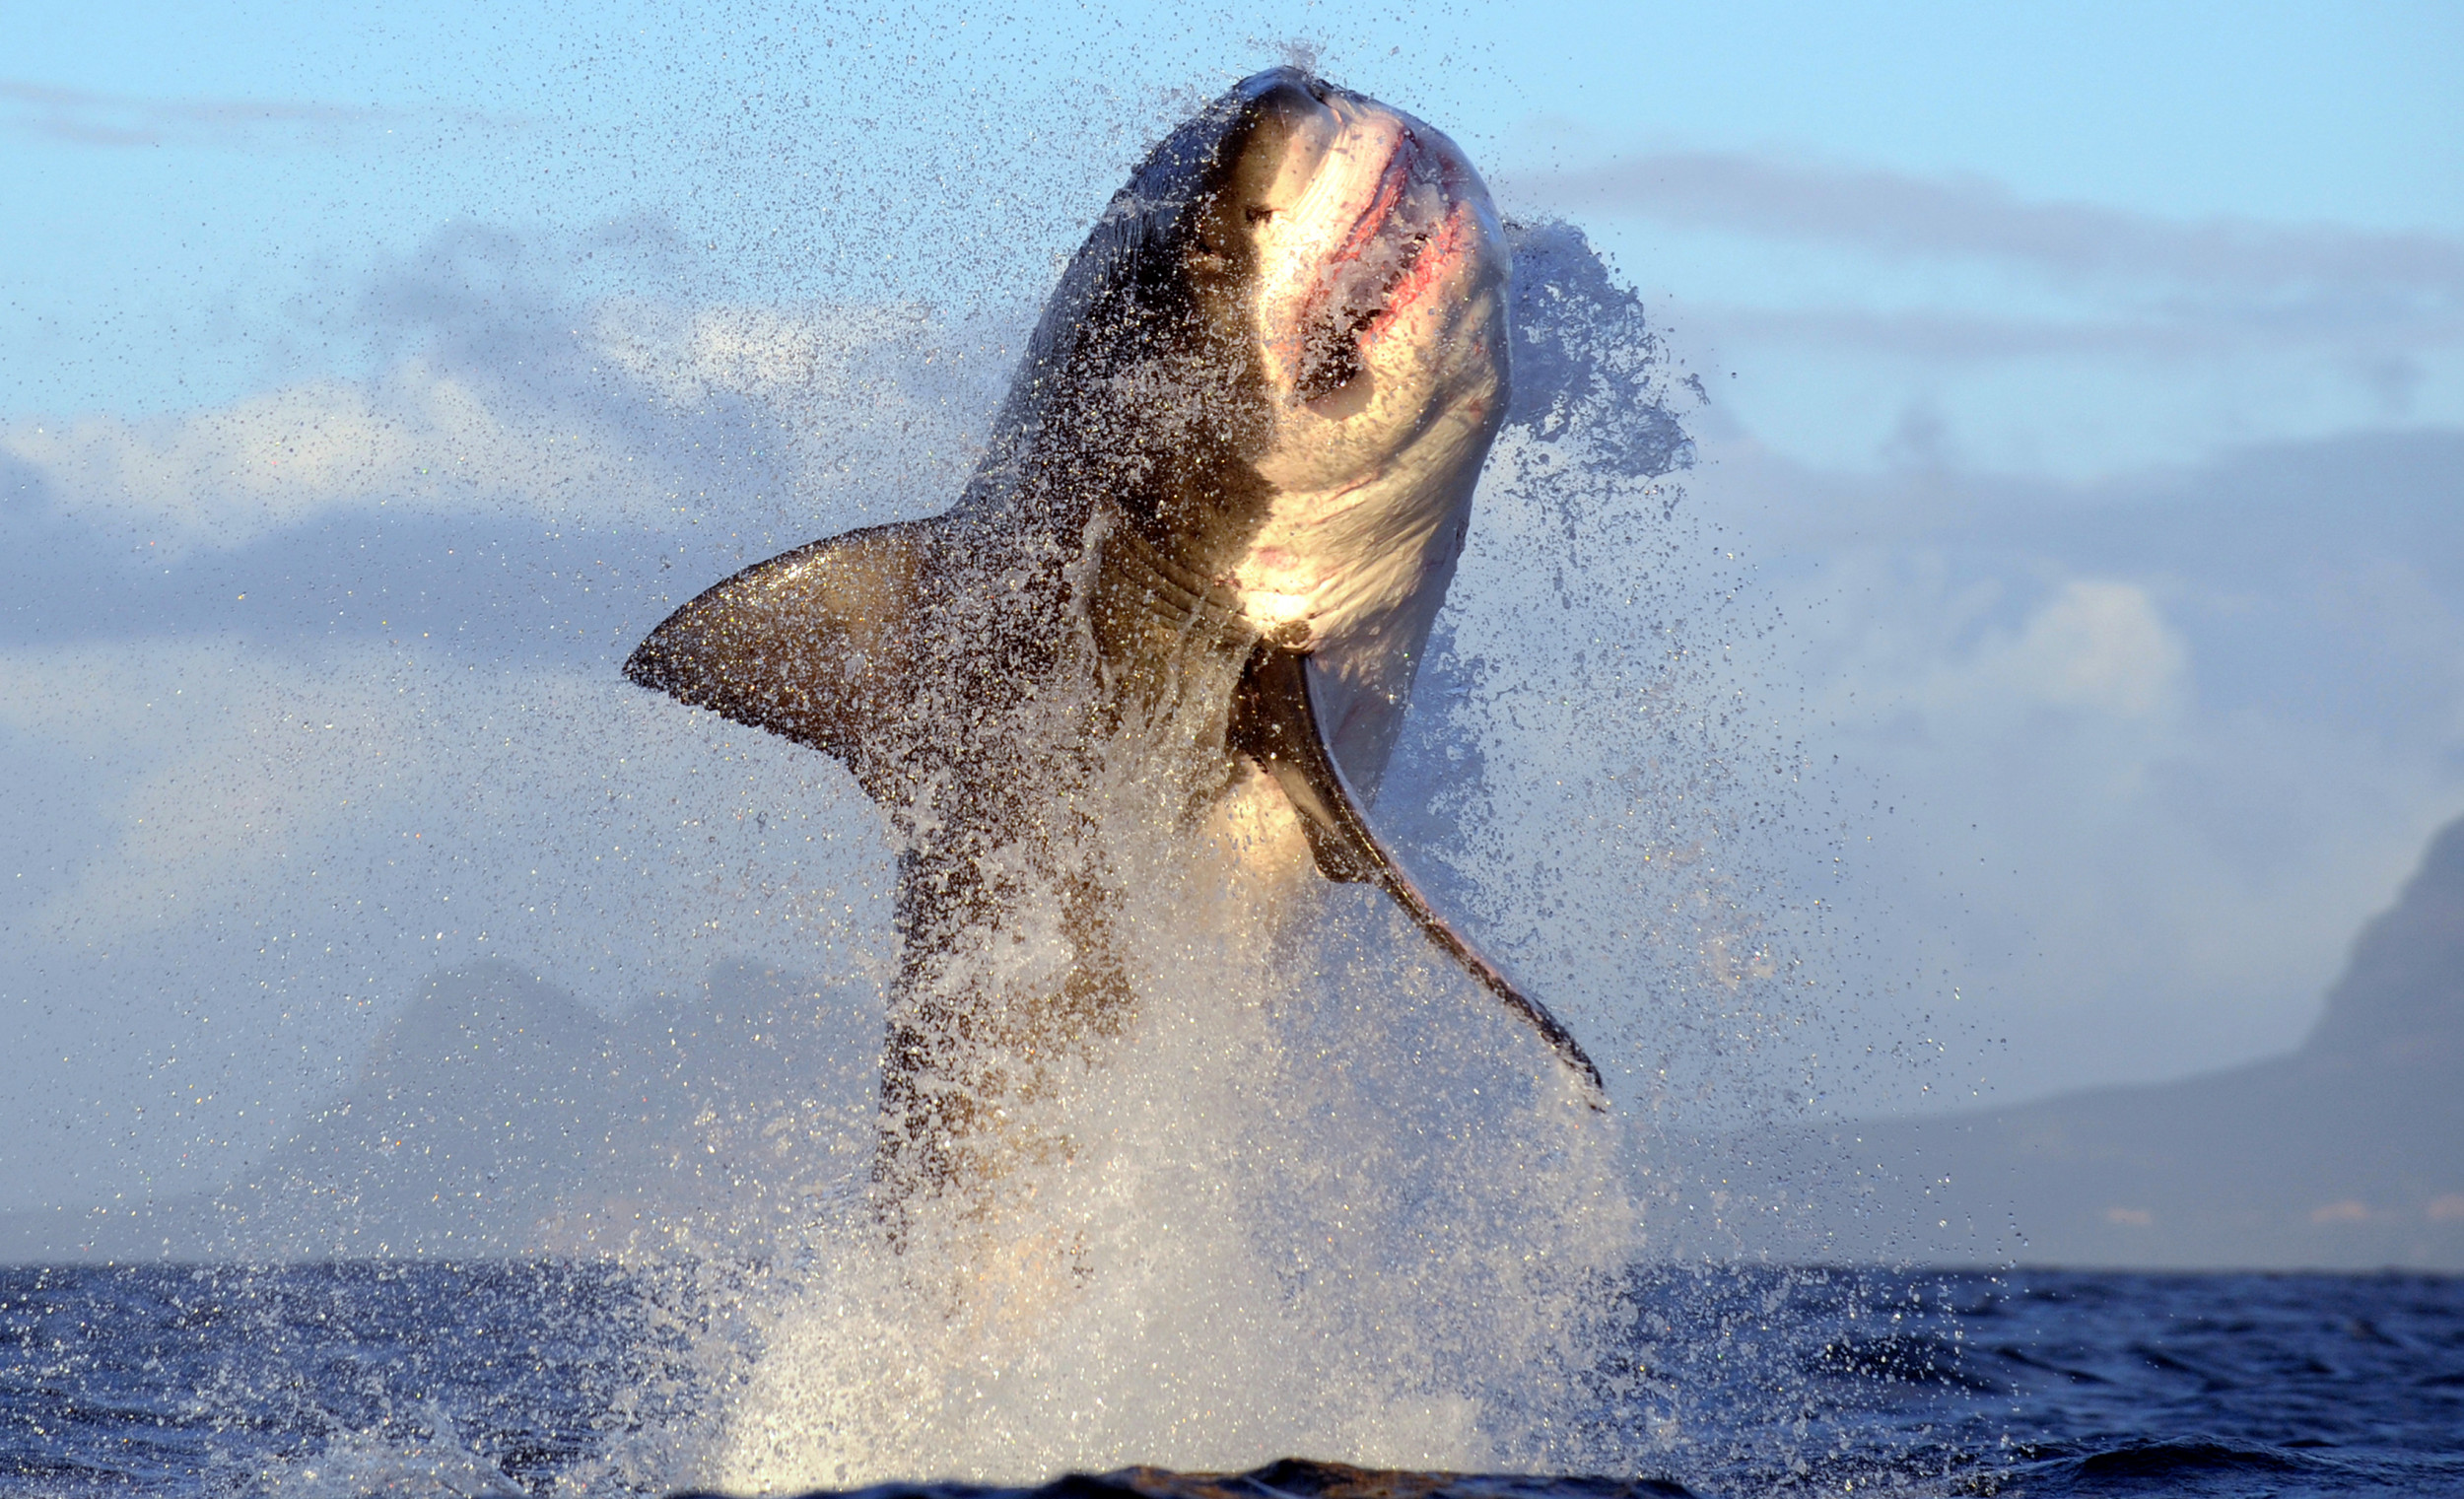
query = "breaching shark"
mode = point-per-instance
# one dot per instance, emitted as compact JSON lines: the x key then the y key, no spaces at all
{"x":1218,"y":513}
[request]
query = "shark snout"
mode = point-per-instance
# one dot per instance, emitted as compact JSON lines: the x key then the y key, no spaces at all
{"x":1352,"y":210}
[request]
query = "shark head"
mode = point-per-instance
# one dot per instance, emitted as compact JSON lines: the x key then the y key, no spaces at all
{"x":1288,"y":332}
{"x":1358,"y":250}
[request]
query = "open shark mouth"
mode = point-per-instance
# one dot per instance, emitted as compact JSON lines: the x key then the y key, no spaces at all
{"x":1375,"y":269}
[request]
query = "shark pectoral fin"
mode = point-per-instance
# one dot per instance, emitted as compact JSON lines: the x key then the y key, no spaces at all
{"x":813,"y":644}
{"x":1274,"y":722}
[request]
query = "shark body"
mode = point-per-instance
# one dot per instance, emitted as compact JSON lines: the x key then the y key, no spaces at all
{"x":1219,"y":513}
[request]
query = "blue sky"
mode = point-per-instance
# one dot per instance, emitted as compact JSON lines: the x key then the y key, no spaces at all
{"x":2081,"y":447}
{"x":201,"y":187}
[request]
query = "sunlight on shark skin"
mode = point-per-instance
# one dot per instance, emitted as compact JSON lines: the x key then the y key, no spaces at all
{"x":1187,"y":588}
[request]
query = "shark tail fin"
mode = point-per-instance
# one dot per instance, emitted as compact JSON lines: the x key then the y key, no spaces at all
{"x":814,"y":644}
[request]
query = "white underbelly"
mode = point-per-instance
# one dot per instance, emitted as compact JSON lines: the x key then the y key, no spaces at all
{"x":1326,"y":565}
{"x":1357,"y":578}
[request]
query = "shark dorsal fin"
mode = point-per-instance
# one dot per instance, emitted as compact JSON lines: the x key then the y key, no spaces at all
{"x":815,"y":644}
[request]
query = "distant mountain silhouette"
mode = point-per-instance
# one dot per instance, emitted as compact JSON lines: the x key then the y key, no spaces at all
{"x":498,"y":1115}
{"x":2401,"y":999}
{"x":2347,"y":1154}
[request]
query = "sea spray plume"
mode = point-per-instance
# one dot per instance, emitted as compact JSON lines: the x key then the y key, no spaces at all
{"x":1187,"y":588}
{"x":1304,"y":1206}
{"x":1589,"y":374}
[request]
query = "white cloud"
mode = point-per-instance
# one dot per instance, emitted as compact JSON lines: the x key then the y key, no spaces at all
{"x":418,"y":436}
{"x":82,"y":118}
{"x":259,"y":774}
{"x":264,"y":819}
{"x":604,"y":428}
{"x":2097,"y":646}
{"x":2067,"y":337}
{"x":2125,"y":765}
{"x":1901,"y":215}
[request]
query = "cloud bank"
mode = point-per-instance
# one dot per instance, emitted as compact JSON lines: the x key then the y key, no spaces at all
{"x":2040,"y":336}
{"x":1897,"y":215}
{"x":82,"y":117}
{"x":314,"y":695}
{"x":2119,"y":768}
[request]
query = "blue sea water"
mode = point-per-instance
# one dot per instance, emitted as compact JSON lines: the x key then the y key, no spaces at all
{"x":544,"y":1378}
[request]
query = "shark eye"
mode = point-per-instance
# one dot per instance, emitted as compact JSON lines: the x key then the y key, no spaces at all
{"x":1259,"y":214}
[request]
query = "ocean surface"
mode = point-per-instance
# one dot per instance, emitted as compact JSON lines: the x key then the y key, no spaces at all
{"x":510,"y":1378}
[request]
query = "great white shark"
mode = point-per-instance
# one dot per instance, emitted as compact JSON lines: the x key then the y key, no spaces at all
{"x":1202,"y":554}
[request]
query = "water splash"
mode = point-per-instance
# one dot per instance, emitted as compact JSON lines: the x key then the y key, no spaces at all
{"x":1324,"y":1198}
{"x":1320,"y":1199}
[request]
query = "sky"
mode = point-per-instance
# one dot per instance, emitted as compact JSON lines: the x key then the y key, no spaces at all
{"x":2083,"y":439}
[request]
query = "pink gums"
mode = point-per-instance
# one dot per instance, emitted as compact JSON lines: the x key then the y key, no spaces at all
{"x":1437,"y":260}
